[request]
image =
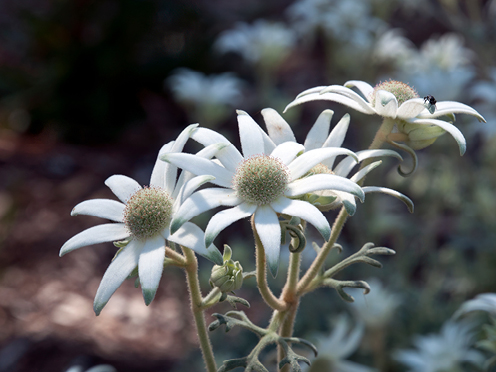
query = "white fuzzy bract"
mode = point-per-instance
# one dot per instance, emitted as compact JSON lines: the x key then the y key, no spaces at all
{"x":319,"y":137}
{"x":256,"y":143}
{"x":410,"y":114}
{"x":442,"y":352}
{"x":146,"y":251}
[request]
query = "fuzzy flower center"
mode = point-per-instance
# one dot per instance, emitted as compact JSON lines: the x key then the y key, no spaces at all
{"x":403,"y":92}
{"x":319,"y":169}
{"x":148,"y":212}
{"x":260,"y":179}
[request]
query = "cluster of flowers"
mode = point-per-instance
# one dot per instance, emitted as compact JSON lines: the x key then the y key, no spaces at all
{"x":272,"y":178}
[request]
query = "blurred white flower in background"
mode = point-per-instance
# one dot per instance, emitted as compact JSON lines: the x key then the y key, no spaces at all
{"x":206,"y":98}
{"x":393,"y":47}
{"x":350,"y":22}
{"x":442,"y":67}
{"x":482,"y":302}
{"x":375,"y":309}
{"x":263,"y":42}
{"x":442,"y":352}
{"x":339,"y":345}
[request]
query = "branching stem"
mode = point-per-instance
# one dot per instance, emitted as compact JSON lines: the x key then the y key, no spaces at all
{"x":191,"y":269}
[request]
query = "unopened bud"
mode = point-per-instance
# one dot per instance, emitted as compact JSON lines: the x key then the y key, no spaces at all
{"x":227,"y":277}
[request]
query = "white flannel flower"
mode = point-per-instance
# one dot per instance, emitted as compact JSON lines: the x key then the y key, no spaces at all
{"x":396,"y":100}
{"x":263,"y":181}
{"x":267,"y":43}
{"x":198,"y":88}
{"x":379,"y":305}
{"x":442,"y":352}
{"x":350,"y":22}
{"x":482,"y":302}
{"x":208,"y":98}
{"x":339,"y":345}
{"x":142,"y":219}
{"x":319,"y":137}
{"x":392,"y":46}
{"x":441,"y":67}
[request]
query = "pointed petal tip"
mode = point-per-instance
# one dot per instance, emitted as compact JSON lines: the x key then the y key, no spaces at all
{"x":274,"y":268}
{"x":175,"y":225}
{"x":241,"y":112}
{"x":98,"y":307}
{"x":149,"y":295}
{"x":214,"y":255}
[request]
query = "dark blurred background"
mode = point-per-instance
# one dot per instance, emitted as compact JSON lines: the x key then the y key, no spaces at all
{"x":89,"y":89}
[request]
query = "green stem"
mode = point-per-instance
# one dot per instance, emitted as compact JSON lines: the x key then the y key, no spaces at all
{"x":191,"y":269}
{"x":263,"y":287}
{"x":305,"y":282}
{"x":312,"y":272}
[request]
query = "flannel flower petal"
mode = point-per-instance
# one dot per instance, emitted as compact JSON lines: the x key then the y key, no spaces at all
{"x":335,"y":348}
{"x":415,"y":117}
{"x":262,"y":182}
{"x":319,"y":137}
{"x":445,"y":351}
{"x":142,"y":219}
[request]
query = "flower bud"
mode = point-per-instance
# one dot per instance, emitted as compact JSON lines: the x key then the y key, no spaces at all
{"x":420,"y":135}
{"x":229,"y":276}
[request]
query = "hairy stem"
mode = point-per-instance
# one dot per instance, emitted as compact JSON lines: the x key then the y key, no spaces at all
{"x":191,"y":269}
{"x":267,"y":295}
{"x":289,"y":296}
{"x":305,"y":282}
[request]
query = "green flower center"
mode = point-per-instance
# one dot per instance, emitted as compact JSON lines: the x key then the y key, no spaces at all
{"x":261,"y":179}
{"x":148,"y":212}
{"x":403,"y":92}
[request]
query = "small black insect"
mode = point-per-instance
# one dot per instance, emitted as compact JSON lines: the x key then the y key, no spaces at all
{"x":430,"y":103}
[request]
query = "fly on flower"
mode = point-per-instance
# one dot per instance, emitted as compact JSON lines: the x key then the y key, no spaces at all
{"x":430,"y":103}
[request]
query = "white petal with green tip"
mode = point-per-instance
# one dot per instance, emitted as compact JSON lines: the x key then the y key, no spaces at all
{"x":122,"y":186}
{"x":158,"y":173}
{"x":150,"y":266}
{"x":202,"y":201}
{"x":365,"y":88}
{"x":451,"y":107}
{"x":364,"y":171}
{"x":386,"y":104}
{"x":278,"y":129}
{"x":207,"y":153}
{"x":348,"y":202}
{"x":118,"y":270}
{"x":305,"y":211}
{"x":360,"y":106}
{"x":411,"y":108}
{"x":312,"y":91}
{"x":249,"y":135}
{"x":448,"y":127}
{"x":405,"y":199}
{"x":103,"y":208}
{"x":338,"y":133}
{"x":323,"y":182}
{"x":347,"y":164}
{"x":303,"y":163}
{"x":171,"y":170}
{"x":191,"y":186}
{"x":286,"y":152}
{"x":192,"y":237}
{"x":269,"y":232}
{"x":319,"y":132}
{"x":225,"y":218}
{"x":108,"y":232}
{"x":200,"y":166}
